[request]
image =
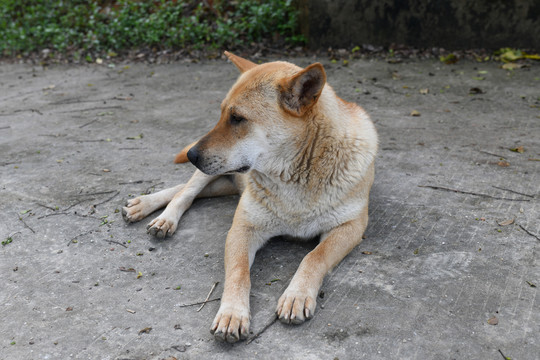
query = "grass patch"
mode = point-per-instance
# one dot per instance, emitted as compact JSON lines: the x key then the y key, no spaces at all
{"x":81,"y":28}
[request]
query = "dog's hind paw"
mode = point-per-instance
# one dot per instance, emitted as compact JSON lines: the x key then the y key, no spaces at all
{"x":161,"y":227}
{"x":295,"y":307}
{"x":230,"y":324}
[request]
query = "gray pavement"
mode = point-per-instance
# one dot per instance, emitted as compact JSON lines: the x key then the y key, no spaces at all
{"x":78,"y":283}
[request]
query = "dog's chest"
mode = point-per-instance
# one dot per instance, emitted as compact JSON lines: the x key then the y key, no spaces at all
{"x":299,"y":212}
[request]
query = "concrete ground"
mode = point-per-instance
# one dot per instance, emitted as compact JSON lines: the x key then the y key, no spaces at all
{"x":441,"y":274}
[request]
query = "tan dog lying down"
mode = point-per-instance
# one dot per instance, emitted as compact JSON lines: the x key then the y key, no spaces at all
{"x":302,"y":160}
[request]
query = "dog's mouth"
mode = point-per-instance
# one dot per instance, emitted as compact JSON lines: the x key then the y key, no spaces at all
{"x":242,"y":170}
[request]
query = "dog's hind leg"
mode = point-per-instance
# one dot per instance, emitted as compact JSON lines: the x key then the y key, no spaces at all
{"x":200,"y":185}
{"x":298,"y":302}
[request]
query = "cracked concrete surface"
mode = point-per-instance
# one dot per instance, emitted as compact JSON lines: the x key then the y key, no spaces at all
{"x":78,"y":283}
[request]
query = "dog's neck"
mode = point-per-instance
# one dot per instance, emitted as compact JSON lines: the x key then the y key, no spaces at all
{"x":318,"y":151}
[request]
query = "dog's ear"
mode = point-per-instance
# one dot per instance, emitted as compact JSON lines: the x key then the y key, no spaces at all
{"x":182,"y":155}
{"x":301,"y":91}
{"x":242,"y":64}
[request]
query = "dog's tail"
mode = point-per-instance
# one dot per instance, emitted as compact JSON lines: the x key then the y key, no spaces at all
{"x":182,"y":155}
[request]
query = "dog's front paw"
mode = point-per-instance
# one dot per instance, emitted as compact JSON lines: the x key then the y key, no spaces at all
{"x":296,"y":306}
{"x":231,"y":323}
{"x":138,"y":208}
{"x":162,"y":226}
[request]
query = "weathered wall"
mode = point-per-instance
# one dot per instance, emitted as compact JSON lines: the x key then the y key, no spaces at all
{"x":452,"y":24}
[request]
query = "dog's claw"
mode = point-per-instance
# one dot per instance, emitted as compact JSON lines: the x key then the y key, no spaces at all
{"x":230,"y":324}
{"x":160,"y":227}
{"x":136,"y":209}
{"x":295,"y":307}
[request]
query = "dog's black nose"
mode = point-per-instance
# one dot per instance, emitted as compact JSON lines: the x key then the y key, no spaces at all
{"x":193,"y":156}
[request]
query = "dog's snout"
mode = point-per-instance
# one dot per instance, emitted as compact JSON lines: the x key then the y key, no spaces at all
{"x":193,"y":156}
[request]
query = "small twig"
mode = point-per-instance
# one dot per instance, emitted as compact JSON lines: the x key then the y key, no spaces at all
{"x":13,"y":234}
{"x":512,"y":191}
{"x":75,"y":204}
{"x":26,"y":225}
{"x":5,"y":127}
{"x":497,"y":155}
{"x":199,"y":303}
{"x":528,"y":232}
{"x":88,"y":123}
{"x":65,"y":213}
{"x":109,"y":199}
{"x":46,"y":207}
{"x":263,"y":330}
{"x":74,"y":101}
{"x":469,"y":193}
{"x":505,"y":358}
{"x":115,"y":242}
{"x":151,"y":188}
{"x":92,"y":108}
{"x":84,"y":233}
{"x":32,"y":110}
{"x":96,"y":193}
{"x":208,"y":297}
{"x":136,"y":182}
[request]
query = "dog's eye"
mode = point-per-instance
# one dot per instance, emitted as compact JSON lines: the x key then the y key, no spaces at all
{"x":236,"y":119}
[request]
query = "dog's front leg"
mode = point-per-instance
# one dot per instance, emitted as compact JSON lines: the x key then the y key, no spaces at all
{"x":298,"y":302}
{"x":166,"y":223}
{"x":232,"y":320}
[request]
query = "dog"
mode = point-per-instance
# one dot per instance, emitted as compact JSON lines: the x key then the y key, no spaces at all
{"x":302,"y":160}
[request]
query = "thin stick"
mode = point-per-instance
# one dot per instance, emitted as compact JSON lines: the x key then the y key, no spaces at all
{"x":88,"y":123}
{"x":198,"y":303}
{"x":84,"y":233}
{"x":68,"y":214}
{"x":512,"y":191}
{"x":109,"y":199}
{"x":497,"y":155}
{"x":505,"y":358}
{"x":92,"y":108}
{"x":528,"y":232}
{"x":115,"y":242}
{"x":469,"y":193}
{"x":25,"y":224}
{"x":263,"y":330}
{"x":47,"y":207}
{"x":152,"y":188}
{"x":208,"y":297}
{"x":96,"y":193}
{"x":136,"y":182}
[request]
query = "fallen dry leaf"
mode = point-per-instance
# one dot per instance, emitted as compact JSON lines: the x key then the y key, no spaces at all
{"x":503,"y":163}
{"x":146,"y":330}
{"x":415,"y":113}
{"x":518,"y":149}
{"x":493,"y":320}
{"x":512,"y":66}
{"x":424,"y":91}
{"x":475,"y":91}
{"x":506,"y":222}
{"x":121,"y":268}
{"x":367,"y":252}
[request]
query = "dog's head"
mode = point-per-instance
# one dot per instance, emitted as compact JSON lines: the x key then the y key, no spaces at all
{"x":264,"y":110}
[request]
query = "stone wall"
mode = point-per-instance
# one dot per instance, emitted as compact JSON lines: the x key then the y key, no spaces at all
{"x":452,"y":24}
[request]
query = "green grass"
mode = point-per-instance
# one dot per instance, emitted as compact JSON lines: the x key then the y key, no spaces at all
{"x":101,"y":26}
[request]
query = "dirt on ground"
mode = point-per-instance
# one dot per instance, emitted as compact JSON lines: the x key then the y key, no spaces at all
{"x":448,"y":268}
